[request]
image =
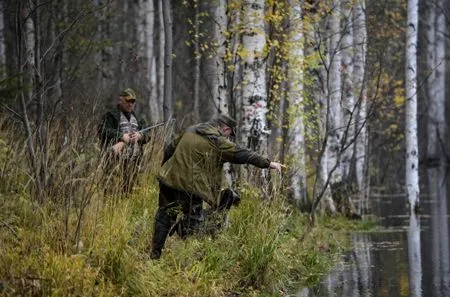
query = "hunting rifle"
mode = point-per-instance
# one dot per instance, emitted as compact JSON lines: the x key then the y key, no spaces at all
{"x":153,"y":126}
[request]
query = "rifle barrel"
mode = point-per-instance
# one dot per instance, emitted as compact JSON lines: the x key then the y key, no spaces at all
{"x":151,"y":127}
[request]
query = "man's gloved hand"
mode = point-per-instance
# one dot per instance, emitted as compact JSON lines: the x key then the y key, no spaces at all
{"x":228,"y":198}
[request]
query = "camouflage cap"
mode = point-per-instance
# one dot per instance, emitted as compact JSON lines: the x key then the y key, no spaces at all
{"x":229,"y":121}
{"x":129,"y":93}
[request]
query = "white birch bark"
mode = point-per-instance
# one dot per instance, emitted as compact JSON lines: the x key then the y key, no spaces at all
{"x":334,"y":112}
{"x":348,"y":98}
{"x":145,"y":33}
{"x":328,"y":171}
{"x":29,"y":42}
{"x":326,"y":203}
{"x":218,"y":71}
{"x":234,"y":68}
{"x":220,"y":91}
{"x":254,"y":94}
{"x":360,"y":45}
{"x":296,"y":146}
{"x":147,"y":80}
{"x":321,"y":190}
{"x":412,"y":149}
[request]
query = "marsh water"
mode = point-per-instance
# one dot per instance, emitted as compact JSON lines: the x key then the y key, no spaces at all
{"x":408,"y":257}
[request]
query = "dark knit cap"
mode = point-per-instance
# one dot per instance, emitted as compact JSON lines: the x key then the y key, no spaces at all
{"x":229,"y":121}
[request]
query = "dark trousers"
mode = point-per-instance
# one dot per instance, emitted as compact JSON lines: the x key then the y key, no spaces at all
{"x":179,"y":212}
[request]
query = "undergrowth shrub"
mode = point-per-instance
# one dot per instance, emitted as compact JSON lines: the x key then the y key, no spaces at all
{"x":81,"y":242}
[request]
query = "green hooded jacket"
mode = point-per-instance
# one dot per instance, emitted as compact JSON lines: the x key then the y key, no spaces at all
{"x":194,"y":161}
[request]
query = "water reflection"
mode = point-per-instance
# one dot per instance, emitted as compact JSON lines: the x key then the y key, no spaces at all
{"x":439,"y":233}
{"x":410,"y":257}
{"x":414,"y":257}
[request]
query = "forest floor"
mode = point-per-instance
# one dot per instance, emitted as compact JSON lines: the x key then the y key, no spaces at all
{"x":101,"y":248}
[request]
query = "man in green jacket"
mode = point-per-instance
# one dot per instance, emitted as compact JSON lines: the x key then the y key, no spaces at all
{"x":192,"y":174}
{"x":121,"y":140}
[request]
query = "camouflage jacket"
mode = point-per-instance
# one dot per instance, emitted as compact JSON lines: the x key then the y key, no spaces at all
{"x":193,"y":162}
{"x":108,"y":129}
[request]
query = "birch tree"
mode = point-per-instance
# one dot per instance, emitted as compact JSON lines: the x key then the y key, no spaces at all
{"x":348,"y":98}
{"x":296,"y":142}
{"x":334,"y":121}
{"x":329,"y":155}
{"x":254,"y":94}
{"x":318,"y":48}
{"x":412,"y":149}
{"x":147,"y":83}
{"x":219,"y":86}
{"x":359,"y":46}
{"x":218,"y":71}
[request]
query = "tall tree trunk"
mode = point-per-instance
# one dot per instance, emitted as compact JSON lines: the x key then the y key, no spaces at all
{"x":436,"y":140}
{"x":334,"y":112}
{"x":436,"y":67}
{"x":296,"y":143}
{"x":146,"y":48}
{"x":254,"y":99}
{"x":360,"y":45}
{"x":25,"y":51}
{"x":412,"y":148}
{"x":41,"y":123}
{"x":168,"y":44}
{"x":348,"y":99}
{"x":220,"y":91}
{"x":215,"y":69}
{"x":160,"y":41}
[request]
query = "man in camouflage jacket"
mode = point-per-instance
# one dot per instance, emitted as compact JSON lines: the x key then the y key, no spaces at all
{"x":121,"y":140}
{"x":192,"y":173}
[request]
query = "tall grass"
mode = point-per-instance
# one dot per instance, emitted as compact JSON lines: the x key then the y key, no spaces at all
{"x":80,"y":242}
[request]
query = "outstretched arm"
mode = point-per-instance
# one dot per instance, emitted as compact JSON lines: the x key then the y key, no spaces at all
{"x":235,"y":154}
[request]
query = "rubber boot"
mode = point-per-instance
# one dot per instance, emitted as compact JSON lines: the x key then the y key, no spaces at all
{"x":161,"y":231}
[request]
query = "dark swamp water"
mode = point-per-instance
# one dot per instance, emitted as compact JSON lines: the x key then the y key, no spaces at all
{"x":408,"y":257}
